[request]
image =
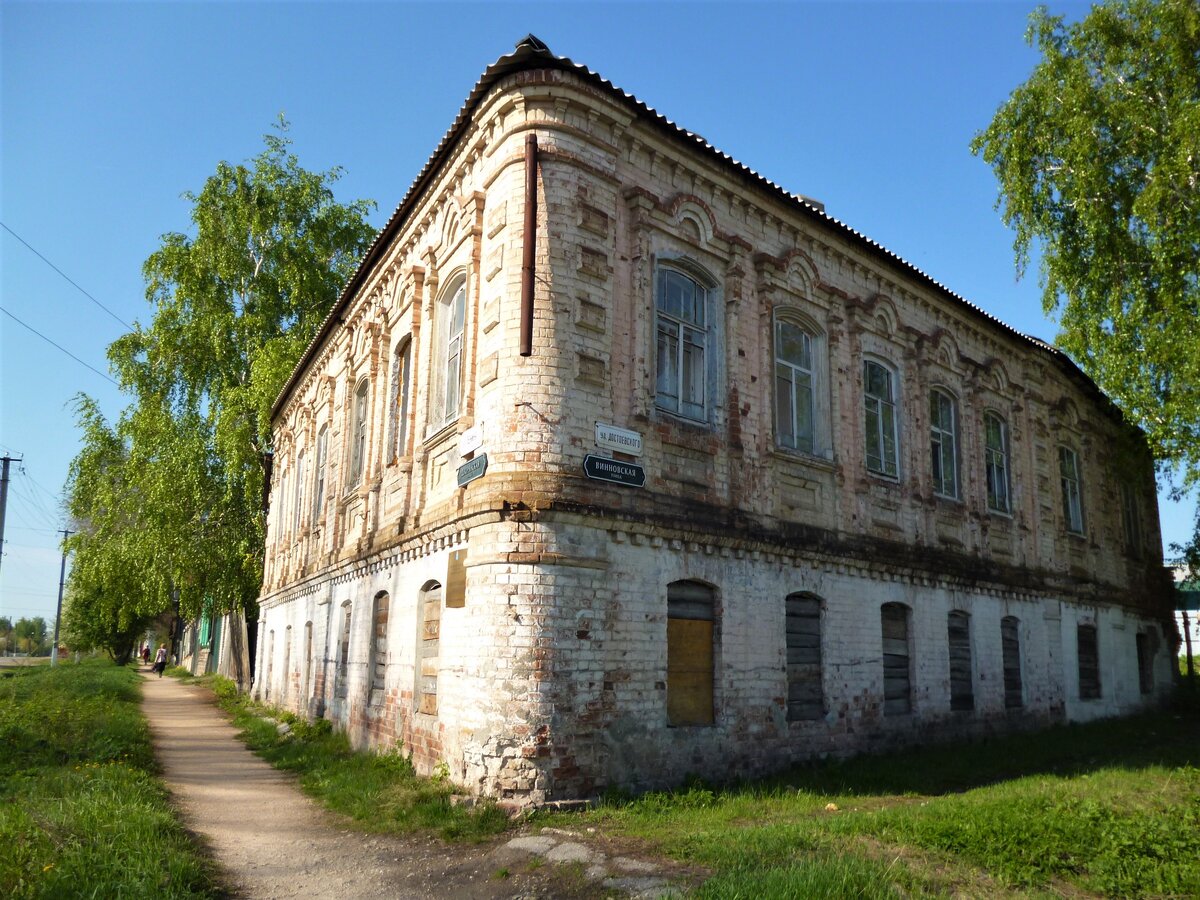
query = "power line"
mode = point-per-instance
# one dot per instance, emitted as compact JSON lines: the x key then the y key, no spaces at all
{"x":57,"y":347}
{"x":64,"y":275}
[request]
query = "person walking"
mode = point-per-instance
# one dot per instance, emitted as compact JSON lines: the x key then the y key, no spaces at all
{"x":160,"y":660}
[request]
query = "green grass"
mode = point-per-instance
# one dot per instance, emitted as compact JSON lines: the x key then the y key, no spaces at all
{"x":380,"y":792}
{"x":1110,"y":808}
{"x":81,"y":811}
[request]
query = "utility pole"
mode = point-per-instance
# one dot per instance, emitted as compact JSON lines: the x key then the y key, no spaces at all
{"x":4,"y":498}
{"x":62,"y":577}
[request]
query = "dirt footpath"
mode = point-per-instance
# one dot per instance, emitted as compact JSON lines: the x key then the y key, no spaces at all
{"x":271,"y":841}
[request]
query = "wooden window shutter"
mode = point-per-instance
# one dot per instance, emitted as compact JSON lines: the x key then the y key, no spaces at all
{"x":805,"y":698}
{"x":897,"y":687}
{"x":958,"y":633}
{"x":1010,"y":645}
{"x":689,"y":654}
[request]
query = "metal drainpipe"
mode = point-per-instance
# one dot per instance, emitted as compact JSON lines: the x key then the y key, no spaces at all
{"x":529,"y":249}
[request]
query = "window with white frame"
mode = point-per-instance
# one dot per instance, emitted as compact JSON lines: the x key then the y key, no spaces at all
{"x":322,"y":459}
{"x":358,"y":433}
{"x":448,"y":361}
{"x":301,"y":477}
{"x":795,"y":386}
{"x":879,"y":406}
{"x":995,"y":462}
{"x":398,"y":401}
{"x":1068,"y":472}
{"x":680,"y":303}
{"x":943,"y":443}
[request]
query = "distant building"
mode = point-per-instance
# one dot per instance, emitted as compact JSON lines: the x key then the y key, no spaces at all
{"x":760,"y":491}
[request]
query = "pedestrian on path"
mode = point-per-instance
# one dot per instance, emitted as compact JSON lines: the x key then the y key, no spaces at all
{"x":160,"y":660}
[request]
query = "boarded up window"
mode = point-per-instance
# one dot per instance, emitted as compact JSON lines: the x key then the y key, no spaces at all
{"x":270,"y":662}
{"x":805,"y":699}
{"x":456,"y":580}
{"x":689,"y":653}
{"x":308,"y":648}
{"x":1089,"y":662}
{"x":343,"y":655}
{"x":897,"y":687}
{"x":1145,"y":661}
{"x":958,"y":634}
{"x":287,"y":664}
{"x":429,"y":640}
{"x":1010,"y":647}
{"x":379,"y":646}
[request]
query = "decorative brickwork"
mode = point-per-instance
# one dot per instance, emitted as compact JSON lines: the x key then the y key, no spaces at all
{"x":545,"y":634}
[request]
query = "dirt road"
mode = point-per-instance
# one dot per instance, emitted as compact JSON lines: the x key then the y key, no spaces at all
{"x":271,"y":841}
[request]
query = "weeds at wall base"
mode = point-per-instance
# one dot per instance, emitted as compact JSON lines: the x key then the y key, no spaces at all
{"x":379,"y":791}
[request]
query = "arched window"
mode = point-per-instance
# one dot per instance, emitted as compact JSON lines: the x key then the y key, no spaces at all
{"x":343,"y":662}
{"x":681,"y":308}
{"x":301,"y":477}
{"x":398,"y":401}
{"x":995,"y":462}
{"x":897,"y":680}
{"x":306,"y":689}
{"x":379,"y":647}
{"x":1072,"y":506}
{"x":958,"y":633}
{"x":943,"y":443}
{"x":879,"y":408}
{"x":690,"y":635}
{"x":429,"y":619}
{"x":358,"y":432}
{"x":281,"y":499}
{"x":287,"y":665}
{"x":448,"y":357}
{"x":1010,"y":647}
{"x":806,"y":695}
{"x":795,"y":386}
{"x":322,"y":461}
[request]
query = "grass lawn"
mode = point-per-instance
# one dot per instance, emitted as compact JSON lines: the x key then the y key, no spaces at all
{"x":1110,"y":808}
{"x":81,"y":811}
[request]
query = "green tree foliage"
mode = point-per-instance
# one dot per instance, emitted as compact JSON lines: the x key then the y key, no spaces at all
{"x":1098,"y":161}
{"x":169,"y":498}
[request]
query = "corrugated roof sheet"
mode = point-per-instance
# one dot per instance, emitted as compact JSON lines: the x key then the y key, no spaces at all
{"x":531,"y":54}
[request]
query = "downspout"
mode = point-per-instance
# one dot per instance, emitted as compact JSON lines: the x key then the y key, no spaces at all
{"x":529,"y":249}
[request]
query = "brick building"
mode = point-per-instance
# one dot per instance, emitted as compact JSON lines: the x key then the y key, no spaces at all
{"x":616,"y":462}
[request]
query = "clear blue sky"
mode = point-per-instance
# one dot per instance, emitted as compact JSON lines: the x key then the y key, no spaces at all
{"x":110,"y":111}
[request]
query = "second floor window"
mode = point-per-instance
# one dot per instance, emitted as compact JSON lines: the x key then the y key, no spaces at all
{"x":301,"y":477}
{"x":793,"y":387}
{"x":358,"y":433}
{"x":995,"y":462}
{"x":680,"y":303}
{"x":456,"y":314}
{"x":879,"y":404}
{"x":1131,"y":520}
{"x":322,"y":459}
{"x":943,"y":443}
{"x":1068,"y":471}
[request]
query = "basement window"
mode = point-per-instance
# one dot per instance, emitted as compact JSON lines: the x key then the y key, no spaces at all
{"x":897,"y":683}
{"x":1088,"y":652}
{"x":805,"y":697}
{"x":958,"y":632}
{"x":1010,"y":646}
{"x":690,"y":634}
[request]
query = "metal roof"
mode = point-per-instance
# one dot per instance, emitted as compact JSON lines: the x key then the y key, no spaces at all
{"x":530,"y":54}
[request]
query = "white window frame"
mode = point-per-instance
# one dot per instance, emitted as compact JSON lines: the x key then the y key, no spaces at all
{"x":792,"y":380}
{"x":943,"y":443}
{"x":322,"y":462}
{"x":360,"y":412}
{"x":885,"y":413}
{"x":1069,"y":480}
{"x":995,"y":464}
{"x":682,"y":343}
{"x":301,"y":473}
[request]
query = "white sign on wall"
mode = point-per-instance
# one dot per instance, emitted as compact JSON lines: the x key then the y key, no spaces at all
{"x":610,"y":437}
{"x":470,"y":440}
